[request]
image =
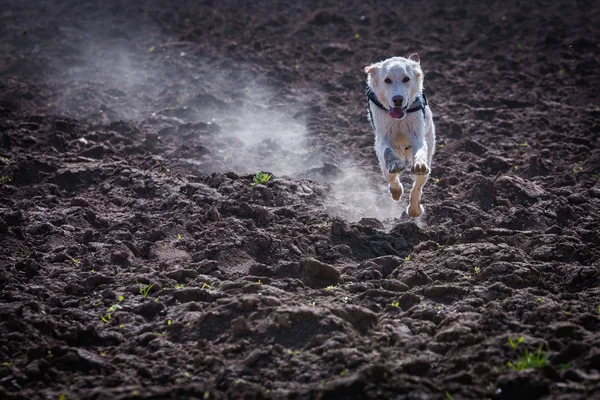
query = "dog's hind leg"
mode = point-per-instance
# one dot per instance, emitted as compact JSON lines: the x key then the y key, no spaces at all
{"x":391,"y":166}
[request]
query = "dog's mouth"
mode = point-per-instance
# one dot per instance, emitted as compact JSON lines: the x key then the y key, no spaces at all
{"x":398,"y":112}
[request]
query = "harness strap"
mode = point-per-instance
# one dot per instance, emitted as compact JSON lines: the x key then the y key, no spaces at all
{"x":418,"y":104}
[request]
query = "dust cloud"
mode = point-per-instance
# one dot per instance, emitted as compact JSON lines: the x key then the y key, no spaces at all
{"x":161,"y":88}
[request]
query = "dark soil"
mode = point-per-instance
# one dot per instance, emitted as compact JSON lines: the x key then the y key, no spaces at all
{"x":130,"y":133}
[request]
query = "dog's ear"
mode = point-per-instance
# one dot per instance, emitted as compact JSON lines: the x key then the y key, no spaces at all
{"x":415,"y":57}
{"x":371,"y":69}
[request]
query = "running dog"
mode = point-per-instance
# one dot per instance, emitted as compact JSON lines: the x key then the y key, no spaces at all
{"x":403,"y":124}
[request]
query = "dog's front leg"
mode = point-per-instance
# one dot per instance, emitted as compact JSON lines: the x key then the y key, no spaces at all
{"x":420,"y":169}
{"x":391,"y":165}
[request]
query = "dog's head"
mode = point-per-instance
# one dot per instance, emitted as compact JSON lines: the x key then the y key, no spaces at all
{"x":396,"y":81}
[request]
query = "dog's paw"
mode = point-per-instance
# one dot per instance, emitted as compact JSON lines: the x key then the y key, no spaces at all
{"x":395,"y":166}
{"x":414,"y":212}
{"x":396,"y":193}
{"x":420,"y":168}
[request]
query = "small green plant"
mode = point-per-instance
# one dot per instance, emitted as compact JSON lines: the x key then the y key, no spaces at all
{"x":577,"y":169}
{"x":598,"y":308}
{"x":524,"y":144}
{"x":564,"y":367}
{"x":330,"y":287}
{"x":260,"y":178}
{"x":516,"y":167}
{"x":407,"y":258}
{"x":530,"y":360}
{"x":396,"y":304}
{"x":344,"y":372}
{"x":109,"y":312}
{"x":178,"y":236}
{"x":449,"y":396}
{"x":121,"y":298}
{"x":476,"y":270}
{"x":151,"y":49}
{"x":145,"y":289}
{"x":514,"y":344}
{"x":75,"y":261}
{"x":5,"y":179}
{"x":179,"y":286}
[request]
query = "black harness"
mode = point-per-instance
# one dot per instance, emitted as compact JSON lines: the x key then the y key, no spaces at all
{"x":417,"y":105}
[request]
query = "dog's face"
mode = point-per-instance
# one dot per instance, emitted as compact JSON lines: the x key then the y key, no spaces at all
{"x":396,"y":82}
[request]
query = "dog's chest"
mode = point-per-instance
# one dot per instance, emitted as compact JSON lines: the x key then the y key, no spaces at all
{"x":400,"y":133}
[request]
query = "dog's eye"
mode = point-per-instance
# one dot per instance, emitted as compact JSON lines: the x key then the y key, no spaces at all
{"x":388,"y":80}
{"x":406,"y":79}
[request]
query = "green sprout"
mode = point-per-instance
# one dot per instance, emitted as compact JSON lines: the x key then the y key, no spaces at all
{"x":344,"y":372}
{"x":476,"y":270}
{"x":449,"y":396}
{"x":5,"y":179}
{"x":516,"y":344}
{"x":121,"y":298}
{"x":330,"y":287}
{"x":407,"y":258}
{"x":151,"y":49}
{"x":145,"y":289}
{"x":260,"y":178}
{"x":530,"y":360}
{"x":577,"y":169}
{"x":524,"y":144}
{"x":109,"y":312}
{"x":396,"y":304}
{"x":75,"y":261}
{"x":564,"y":367}
{"x":178,"y":236}
{"x":179,"y":286}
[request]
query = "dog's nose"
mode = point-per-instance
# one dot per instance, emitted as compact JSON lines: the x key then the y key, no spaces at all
{"x":398,"y":100}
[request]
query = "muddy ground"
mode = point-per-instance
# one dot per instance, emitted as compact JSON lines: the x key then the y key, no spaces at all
{"x":139,"y":260}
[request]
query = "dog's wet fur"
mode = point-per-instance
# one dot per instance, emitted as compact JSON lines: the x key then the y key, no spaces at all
{"x":401,"y":139}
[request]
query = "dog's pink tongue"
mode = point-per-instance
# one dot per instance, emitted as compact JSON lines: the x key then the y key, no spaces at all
{"x":397,"y":112}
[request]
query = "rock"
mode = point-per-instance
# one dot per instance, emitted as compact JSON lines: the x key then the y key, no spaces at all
{"x":417,"y":367}
{"x":518,"y":190}
{"x":315,"y":269}
{"x":92,"y":360}
{"x":186,"y":295}
{"x":239,"y":327}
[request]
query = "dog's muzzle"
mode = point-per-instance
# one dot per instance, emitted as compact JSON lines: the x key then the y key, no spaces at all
{"x":398,"y":112}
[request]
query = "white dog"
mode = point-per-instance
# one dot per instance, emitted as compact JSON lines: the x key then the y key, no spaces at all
{"x":403,"y":124}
